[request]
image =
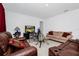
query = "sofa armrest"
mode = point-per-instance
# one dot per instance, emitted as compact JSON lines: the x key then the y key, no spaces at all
{"x":55,"y":50}
{"x":30,"y":51}
{"x":69,"y":37}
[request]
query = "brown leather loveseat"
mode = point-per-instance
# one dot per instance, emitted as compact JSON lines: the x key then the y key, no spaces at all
{"x":8,"y":50}
{"x":69,"y":48}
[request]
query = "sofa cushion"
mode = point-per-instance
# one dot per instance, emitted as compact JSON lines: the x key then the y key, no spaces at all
{"x":57,"y":33}
{"x":8,"y":52}
{"x":65,"y":34}
{"x":50,"y":33}
{"x":17,"y":43}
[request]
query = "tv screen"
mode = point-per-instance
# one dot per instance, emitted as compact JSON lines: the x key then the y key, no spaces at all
{"x":29,"y":28}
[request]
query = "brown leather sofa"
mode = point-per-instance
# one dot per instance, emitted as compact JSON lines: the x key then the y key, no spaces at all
{"x":8,"y":50}
{"x":59,"y":36}
{"x":69,"y":48}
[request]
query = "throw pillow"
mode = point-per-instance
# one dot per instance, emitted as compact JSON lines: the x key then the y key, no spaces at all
{"x":65,"y":34}
{"x":17,"y":43}
{"x":50,"y":32}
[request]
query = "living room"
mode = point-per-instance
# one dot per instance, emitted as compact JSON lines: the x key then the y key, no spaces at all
{"x":59,"y":27}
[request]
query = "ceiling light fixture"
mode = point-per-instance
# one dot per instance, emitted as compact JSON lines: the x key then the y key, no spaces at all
{"x":46,"y":5}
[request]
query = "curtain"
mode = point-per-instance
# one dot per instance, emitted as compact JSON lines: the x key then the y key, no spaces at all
{"x":2,"y":19}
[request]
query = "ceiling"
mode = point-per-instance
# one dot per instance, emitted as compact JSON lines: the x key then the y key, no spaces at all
{"x":41,"y":10}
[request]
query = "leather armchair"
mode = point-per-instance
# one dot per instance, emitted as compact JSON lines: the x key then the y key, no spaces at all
{"x":7,"y":50}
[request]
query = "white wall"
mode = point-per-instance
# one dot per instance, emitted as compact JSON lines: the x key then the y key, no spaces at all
{"x":65,"y":22}
{"x":15,"y":19}
{"x":68,"y":21}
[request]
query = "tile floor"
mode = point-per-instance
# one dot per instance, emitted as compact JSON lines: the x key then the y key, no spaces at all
{"x":43,"y":51}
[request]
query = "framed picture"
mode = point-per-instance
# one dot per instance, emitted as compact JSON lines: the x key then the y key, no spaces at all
{"x":29,"y":28}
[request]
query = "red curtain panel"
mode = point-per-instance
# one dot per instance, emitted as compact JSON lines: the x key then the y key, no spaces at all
{"x":2,"y":19}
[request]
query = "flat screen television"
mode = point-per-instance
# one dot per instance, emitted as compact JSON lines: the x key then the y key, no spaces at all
{"x":29,"y":28}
